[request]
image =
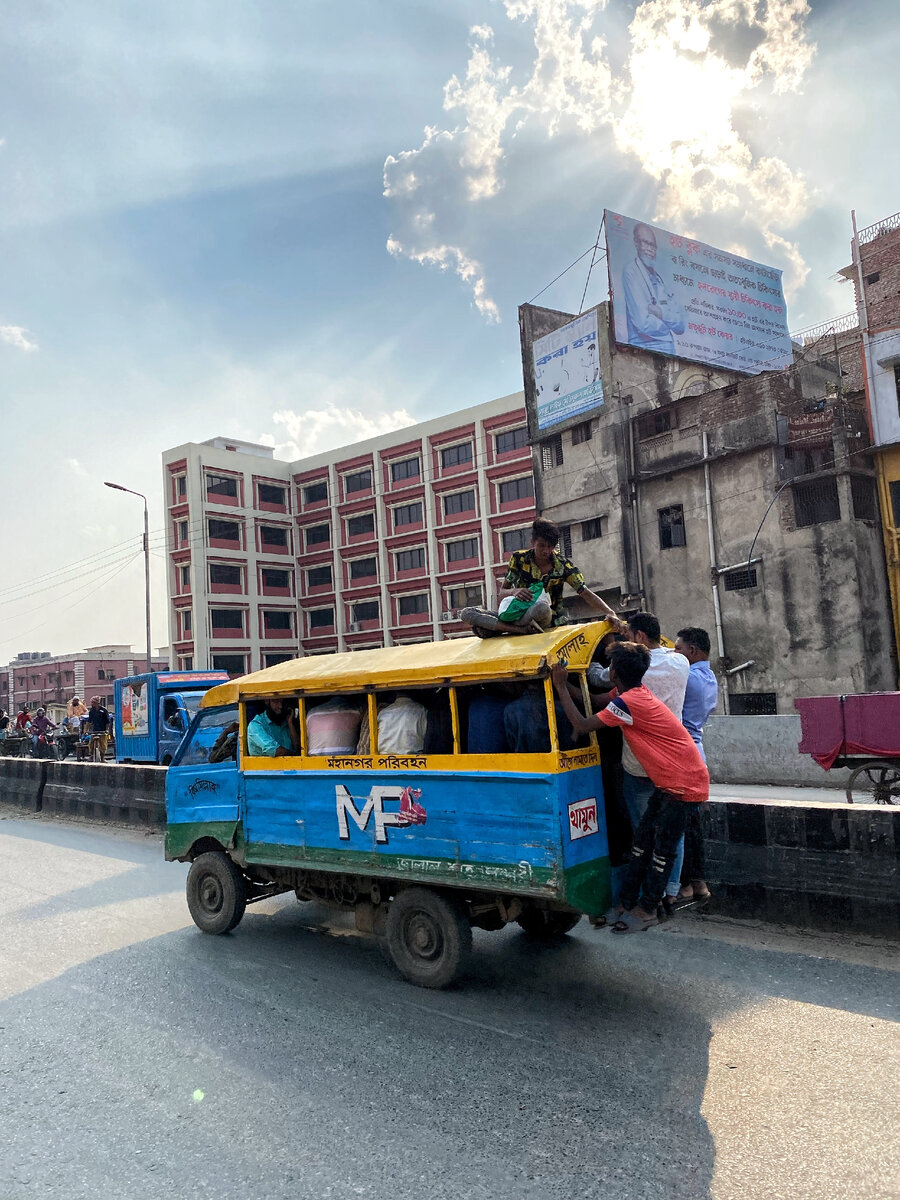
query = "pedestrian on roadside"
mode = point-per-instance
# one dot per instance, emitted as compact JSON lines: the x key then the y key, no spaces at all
{"x":687,"y":882}
{"x":98,"y":723}
{"x":671,"y":760}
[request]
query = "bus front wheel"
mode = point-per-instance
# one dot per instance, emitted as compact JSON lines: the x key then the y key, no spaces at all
{"x":216,"y":893}
{"x":428,"y":937}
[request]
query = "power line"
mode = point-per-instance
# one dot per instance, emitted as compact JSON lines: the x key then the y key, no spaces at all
{"x":92,"y":588}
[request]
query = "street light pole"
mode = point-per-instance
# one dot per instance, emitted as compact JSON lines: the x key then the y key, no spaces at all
{"x":119,"y":488}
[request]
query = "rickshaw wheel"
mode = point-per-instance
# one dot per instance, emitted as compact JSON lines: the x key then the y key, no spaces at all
{"x":216,"y":893}
{"x":545,"y":925}
{"x":428,"y":936}
{"x":875,"y":783}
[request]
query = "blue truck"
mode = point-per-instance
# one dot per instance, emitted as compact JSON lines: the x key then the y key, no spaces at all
{"x":154,"y":710}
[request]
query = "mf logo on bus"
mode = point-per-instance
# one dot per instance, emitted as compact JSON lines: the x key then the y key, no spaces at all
{"x":410,"y":811}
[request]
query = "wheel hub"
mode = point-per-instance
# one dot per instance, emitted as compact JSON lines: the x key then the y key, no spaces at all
{"x":423,"y":936}
{"x":211,"y":894}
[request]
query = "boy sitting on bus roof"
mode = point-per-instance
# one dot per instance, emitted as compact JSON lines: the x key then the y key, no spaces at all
{"x":666,"y":751}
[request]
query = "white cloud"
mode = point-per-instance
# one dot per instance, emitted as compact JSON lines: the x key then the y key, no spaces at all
{"x":313,"y":430}
{"x":690,"y":67}
{"x":16,"y":335}
{"x":77,"y":467}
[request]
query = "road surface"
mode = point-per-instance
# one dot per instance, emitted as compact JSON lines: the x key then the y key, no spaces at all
{"x":140,"y":1059}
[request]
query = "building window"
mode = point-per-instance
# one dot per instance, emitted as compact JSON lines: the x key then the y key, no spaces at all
{"x":515,"y":539}
{"x":356,"y":526}
{"x":565,"y":540}
{"x":464,"y":597}
{"x":319,"y":576}
{"x":511,"y":439}
{"x":225,"y":573}
{"x":273,"y":578}
{"x":413,"y":604}
{"x":652,"y":424}
{"x":873,"y":278}
{"x":739,"y":581}
{"x":671,"y":526}
{"x":273,"y":535}
{"x":222,"y":485}
{"x":186,"y":662}
{"x":313,"y":492}
{"x":581,"y":433}
{"x":862,"y":489}
{"x":270,"y":494}
{"x":359,"y":481}
{"x":407,"y":514}
{"x":411,"y":560}
{"x":182,"y":528}
{"x":816,"y":502}
{"x":366,"y":610}
{"x":455,"y":456}
{"x":234,"y":664}
{"x":753,"y":704}
{"x":516,"y":489}
{"x":186,"y":617}
{"x":459,"y":503}
{"x":466,"y":549}
{"x":407,"y":468}
{"x":277,"y":619}
{"x":317,"y":534}
{"x":591,"y":529}
{"x":181,"y":486}
{"x":363,"y":568}
{"x":272,"y":660}
{"x":552,"y":453}
{"x":321,"y":618}
{"x":224,"y":531}
{"x":185,"y":572}
{"x":226,"y":618}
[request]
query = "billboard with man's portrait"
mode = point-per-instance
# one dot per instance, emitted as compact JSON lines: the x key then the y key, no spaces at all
{"x":677,"y":296}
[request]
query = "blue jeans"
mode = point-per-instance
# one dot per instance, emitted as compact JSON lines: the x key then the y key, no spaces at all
{"x":637,"y":790}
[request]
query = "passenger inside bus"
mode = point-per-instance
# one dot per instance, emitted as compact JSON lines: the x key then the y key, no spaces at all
{"x":332,"y":725}
{"x":274,"y":732}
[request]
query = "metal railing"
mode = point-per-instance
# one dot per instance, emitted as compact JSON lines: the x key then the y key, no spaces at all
{"x":871,"y":232}
{"x":837,"y":325}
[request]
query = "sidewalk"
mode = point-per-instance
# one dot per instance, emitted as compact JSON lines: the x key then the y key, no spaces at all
{"x":764,"y":793}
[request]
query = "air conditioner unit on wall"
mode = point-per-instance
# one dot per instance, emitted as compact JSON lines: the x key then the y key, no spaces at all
{"x":450,"y":615}
{"x":353,"y":627}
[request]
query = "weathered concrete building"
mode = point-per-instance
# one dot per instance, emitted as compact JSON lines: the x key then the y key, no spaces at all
{"x":663,"y":490}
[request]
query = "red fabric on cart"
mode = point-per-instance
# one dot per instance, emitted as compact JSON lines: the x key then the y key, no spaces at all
{"x":859,"y":726}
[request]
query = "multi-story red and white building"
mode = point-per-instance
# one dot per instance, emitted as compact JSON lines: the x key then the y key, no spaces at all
{"x":378,"y":543}
{"x":39,"y":678}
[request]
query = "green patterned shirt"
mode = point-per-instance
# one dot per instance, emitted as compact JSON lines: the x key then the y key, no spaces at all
{"x":523,"y":571}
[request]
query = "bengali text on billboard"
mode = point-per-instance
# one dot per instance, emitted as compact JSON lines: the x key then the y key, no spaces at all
{"x":567,"y":371}
{"x":674,"y":295}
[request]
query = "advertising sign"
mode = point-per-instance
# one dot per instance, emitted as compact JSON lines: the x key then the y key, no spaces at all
{"x":567,"y":371}
{"x":135,"y":720}
{"x":673,"y":295}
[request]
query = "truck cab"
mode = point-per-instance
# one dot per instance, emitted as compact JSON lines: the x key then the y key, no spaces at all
{"x":153,"y":712}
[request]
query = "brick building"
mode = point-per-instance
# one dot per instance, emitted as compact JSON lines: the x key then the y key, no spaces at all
{"x":374,"y":544}
{"x":663,"y":489}
{"x":38,"y":677}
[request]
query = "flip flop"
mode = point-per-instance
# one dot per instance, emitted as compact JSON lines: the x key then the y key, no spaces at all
{"x":611,"y":915}
{"x":628,"y":923}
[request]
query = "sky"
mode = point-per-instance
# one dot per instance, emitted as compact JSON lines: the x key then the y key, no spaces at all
{"x":304,"y":226}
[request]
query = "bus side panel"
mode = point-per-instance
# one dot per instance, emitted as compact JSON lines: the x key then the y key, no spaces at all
{"x":582,"y":814}
{"x":501,"y":832}
{"x":201,"y":802}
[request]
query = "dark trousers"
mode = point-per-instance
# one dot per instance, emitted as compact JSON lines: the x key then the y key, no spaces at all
{"x":694,"y":856}
{"x":653,"y":851}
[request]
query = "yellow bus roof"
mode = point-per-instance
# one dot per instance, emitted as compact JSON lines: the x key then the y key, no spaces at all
{"x":425,"y":664}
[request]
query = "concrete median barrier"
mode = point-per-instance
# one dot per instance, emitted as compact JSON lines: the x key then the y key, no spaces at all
{"x":22,"y":782}
{"x":126,"y":795}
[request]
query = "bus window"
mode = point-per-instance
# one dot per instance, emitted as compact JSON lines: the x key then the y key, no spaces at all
{"x":213,"y":739}
{"x":333,"y":724}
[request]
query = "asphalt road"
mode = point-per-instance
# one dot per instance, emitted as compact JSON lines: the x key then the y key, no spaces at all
{"x":141,"y":1059}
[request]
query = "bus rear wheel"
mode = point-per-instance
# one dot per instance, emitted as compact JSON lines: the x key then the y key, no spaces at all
{"x":428,"y":937}
{"x":216,"y":893}
{"x":545,"y":925}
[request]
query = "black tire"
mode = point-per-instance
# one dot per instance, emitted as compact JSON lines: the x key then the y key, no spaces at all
{"x":428,"y":937}
{"x":216,"y":893}
{"x":546,"y":926}
{"x":875,"y":783}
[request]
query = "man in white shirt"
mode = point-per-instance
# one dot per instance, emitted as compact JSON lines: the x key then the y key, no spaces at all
{"x":652,"y":313}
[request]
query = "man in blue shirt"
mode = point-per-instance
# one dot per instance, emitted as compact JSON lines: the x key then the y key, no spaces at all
{"x":274,"y":733}
{"x":700,"y":699}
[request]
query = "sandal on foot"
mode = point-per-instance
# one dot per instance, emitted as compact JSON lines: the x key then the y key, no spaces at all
{"x":628,"y":923}
{"x":611,"y":915}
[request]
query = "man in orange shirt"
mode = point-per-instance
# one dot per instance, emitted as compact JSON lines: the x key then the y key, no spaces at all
{"x":666,"y":751}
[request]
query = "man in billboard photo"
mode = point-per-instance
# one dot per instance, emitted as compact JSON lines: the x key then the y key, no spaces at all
{"x":652,"y":313}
